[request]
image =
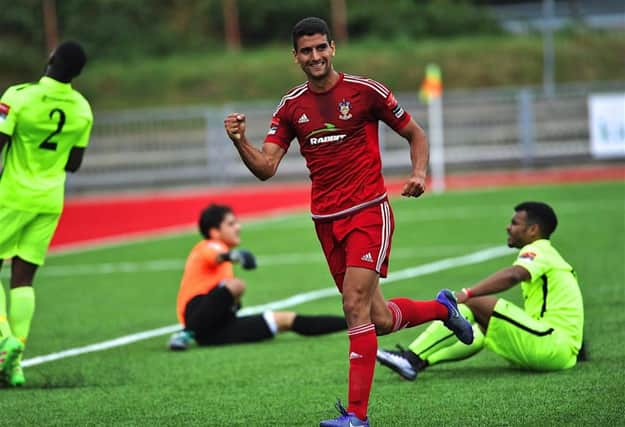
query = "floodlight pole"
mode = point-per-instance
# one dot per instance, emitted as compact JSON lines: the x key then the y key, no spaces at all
{"x":548,"y":49}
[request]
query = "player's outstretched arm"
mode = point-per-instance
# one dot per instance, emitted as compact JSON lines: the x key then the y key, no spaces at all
{"x":419,"y":158}
{"x":497,"y":282}
{"x":262,"y":163}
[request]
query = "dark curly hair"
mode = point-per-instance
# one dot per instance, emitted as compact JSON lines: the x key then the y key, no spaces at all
{"x":308,"y":27}
{"x":211,"y":217}
{"x":540,"y":213}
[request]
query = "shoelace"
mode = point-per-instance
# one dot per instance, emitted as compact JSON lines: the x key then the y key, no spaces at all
{"x":339,"y":407}
{"x":401,"y":349}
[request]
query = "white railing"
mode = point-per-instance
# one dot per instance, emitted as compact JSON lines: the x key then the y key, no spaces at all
{"x":170,"y":147}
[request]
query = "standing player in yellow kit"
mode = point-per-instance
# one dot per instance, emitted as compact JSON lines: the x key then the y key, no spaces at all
{"x":44,"y":129}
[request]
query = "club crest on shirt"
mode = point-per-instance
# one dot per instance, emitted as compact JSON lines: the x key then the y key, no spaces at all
{"x":344,"y":108}
{"x":528,"y":256}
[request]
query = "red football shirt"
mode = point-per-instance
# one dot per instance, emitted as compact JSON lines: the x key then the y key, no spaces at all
{"x":337,"y":132}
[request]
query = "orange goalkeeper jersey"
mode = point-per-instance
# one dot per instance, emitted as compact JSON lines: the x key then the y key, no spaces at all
{"x":202,"y":272}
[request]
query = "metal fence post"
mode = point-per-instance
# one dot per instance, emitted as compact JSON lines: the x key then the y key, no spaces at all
{"x":437,"y":150}
{"x":525,"y":126}
{"x":549,"y":60}
{"x":215,"y":164}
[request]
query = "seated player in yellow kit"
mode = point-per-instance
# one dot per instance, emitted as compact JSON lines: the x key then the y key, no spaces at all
{"x":545,"y":335}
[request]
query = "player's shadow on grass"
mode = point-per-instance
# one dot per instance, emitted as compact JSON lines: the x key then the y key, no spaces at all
{"x":51,"y":382}
{"x":445,"y":373}
{"x":481,"y":371}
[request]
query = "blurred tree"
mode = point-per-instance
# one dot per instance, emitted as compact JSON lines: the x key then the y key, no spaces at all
{"x":231,"y":24}
{"x":50,"y":24}
{"x":339,"y":20}
{"x":124,"y":30}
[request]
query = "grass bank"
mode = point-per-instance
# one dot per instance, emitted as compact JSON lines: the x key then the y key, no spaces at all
{"x":215,"y":77}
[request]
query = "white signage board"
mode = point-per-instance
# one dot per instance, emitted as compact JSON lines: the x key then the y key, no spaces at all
{"x":607,"y":125}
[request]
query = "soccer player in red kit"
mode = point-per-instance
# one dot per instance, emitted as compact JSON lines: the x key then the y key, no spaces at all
{"x":334,"y":117}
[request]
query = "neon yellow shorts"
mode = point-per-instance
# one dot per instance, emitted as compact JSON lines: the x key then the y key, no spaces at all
{"x":26,"y":234}
{"x":527,"y":342}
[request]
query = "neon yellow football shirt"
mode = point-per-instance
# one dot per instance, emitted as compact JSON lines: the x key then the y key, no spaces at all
{"x":44,"y":120}
{"x":552,"y":294}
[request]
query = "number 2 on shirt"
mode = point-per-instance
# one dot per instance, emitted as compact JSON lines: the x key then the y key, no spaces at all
{"x":47,"y":144}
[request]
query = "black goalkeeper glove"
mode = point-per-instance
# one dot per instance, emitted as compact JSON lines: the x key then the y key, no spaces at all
{"x":243,"y":257}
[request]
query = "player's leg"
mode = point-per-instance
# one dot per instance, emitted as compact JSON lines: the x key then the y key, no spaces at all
{"x":22,"y":297}
{"x":482,"y":309}
{"x":206,"y":313}
{"x":437,"y":337}
{"x":30,"y":254}
{"x":5,"y":329}
{"x":367,"y":238}
{"x":368,"y":245}
{"x":527,"y":342}
{"x":435,"y":344}
{"x":21,"y":311}
{"x":359,"y":288}
{"x":355,"y":247}
{"x":308,"y":325}
{"x":407,"y":313}
{"x":237,"y":330}
{"x":13,"y":222}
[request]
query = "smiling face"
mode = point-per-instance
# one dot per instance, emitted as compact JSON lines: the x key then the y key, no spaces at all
{"x":520,"y":231}
{"x":314,"y":54}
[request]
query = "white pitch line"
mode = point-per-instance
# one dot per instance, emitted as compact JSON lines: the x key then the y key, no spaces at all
{"x":105,"y":268}
{"x":444,"y":264}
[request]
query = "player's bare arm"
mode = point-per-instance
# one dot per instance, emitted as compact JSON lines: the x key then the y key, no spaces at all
{"x":419,"y":158}
{"x":497,"y":282}
{"x":262,"y":163}
{"x":75,"y":159}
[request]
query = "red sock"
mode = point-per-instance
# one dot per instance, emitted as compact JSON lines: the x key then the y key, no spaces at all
{"x":363,"y":346}
{"x":408,"y":313}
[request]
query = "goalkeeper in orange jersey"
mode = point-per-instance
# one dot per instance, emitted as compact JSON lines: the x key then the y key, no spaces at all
{"x":210,"y":295}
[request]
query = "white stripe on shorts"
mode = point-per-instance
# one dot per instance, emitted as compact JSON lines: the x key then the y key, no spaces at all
{"x":386,"y":234}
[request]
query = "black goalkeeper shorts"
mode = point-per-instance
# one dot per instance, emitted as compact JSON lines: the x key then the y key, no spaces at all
{"x":212,"y":318}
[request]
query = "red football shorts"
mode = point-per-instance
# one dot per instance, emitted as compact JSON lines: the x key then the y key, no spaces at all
{"x":362,"y":239}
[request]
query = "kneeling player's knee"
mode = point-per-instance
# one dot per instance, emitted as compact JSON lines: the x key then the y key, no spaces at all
{"x":235,"y":286}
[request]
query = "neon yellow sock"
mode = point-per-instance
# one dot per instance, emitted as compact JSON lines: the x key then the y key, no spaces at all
{"x":458,"y":350}
{"x":437,"y":336}
{"x":5,"y":328}
{"x":21,"y":311}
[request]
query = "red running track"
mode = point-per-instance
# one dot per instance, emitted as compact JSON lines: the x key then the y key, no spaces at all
{"x":104,"y":218}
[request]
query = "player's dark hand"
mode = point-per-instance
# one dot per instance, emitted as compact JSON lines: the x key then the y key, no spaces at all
{"x":243,"y":257}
